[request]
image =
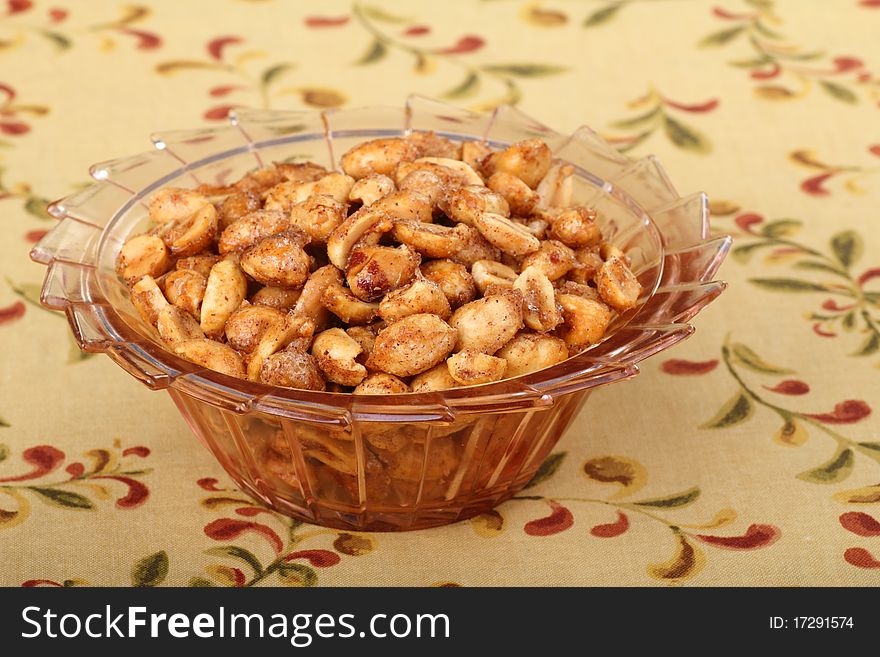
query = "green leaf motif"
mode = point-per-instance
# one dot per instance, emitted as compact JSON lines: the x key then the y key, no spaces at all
{"x":847,"y":247}
{"x":525,"y":70}
{"x":4,"y":450}
{"x":849,"y":321}
{"x":839,"y":92}
{"x":548,"y":469}
{"x":151,"y":570}
{"x":787,"y":285}
{"x":766,"y":31}
{"x":272,"y":73}
{"x":746,"y":357}
{"x":869,"y":346}
{"x":30,"y":292}
{"x":816,"y":265}
{"x":634,"y":141}
{"x":240,"y":554}
{"x":59,"y":40}
{"x":379,"y":14}
{"x":201,"y":582}
{"x":602,"y":16}
{"x":835,"y":470}
{"x":375,"y":53}
{"x":781,"y":228}
{"x":467,"y":88}
{"x":750,"y":63}
{"x":720,"y":38}
{"x":686,"y":137}
{"x":675,"y":501}
{"x":36,"y":207}
{"x":873,"y":450}
{"x":297,"y":574}
{"x":62,"y":498}
{"x":737,"y":410}
{"x":744,"y":252}
{"x":637,"y":121}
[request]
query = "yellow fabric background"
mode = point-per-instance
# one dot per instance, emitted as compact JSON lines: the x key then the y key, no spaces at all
{"x":104,"y":96}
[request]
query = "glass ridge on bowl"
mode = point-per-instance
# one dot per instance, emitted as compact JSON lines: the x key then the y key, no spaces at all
{"x":370,"y":462}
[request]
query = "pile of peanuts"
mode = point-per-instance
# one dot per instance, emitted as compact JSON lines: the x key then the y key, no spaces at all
{"x":425,"y":264}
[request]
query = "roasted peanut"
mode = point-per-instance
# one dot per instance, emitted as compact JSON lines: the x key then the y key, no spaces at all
{"x":420,"y":296}
{"x":585,"y":320}
{"x":381,"y":384}
{"x":521,"y":198}
{"x":617,"y":285}
{"x":175,"y":204}
{"x":176,"y":325}
{"x":487,"y":323}
{"x":341,"y":302}
{"x":425,"y":182}
{"x":453,"y":279}
{"x":473,"y":153}
{"x":295,"y":329}
{"x":374,"y":271}
{"x":490,"y":272}
{"x":507,"y":235}
{"x":449,"y":176}
{"x":336,"y":185}
{"x":317,"y":216}
{"x":275,"y":297}
{"x":285,"y":195}
{"x":588,"y":263}
{"x":529,"y":352}
{"x":578,"y":289}
{"x":607,"y":250}
{"x":433,"y":240}
{"x":555,"y":188}
{"x":260,"y":180}
{"x":278,"y":260}
{"x":186,"y":237}
{"x":528,"y":160}
{"x":370,"y":189}
{"x":247,"y":325}
{"x":144,"y":255}
{"x":252,"y":228}
{"x":463,"y":169}
{"x":185,"y":288}
{"x":412,"y":345}
{"x":378,"y":156}
{"x":478,"y":248}
{"x":539,"y":300}
{"x":365,"y":336}
{"x":237,"y":205}
{"x":537,"y":227}
{"x":310,"y":302}
{"x":335,"y":352}
{"x":343,"y":238}
{"x":211,"y":354}
{"x":224,"y":291}
{"x":148,"y":299}
{"x":436,"y":378}
{"x":554,"y":259}
{"x":470,"y":367}
{"x":465,"y":203}
{"x":576,"y":228}
{"x":301,"y":171}
{"x":406,"y":204}
{"x":201,"y":263}
{"x":431,"y":144}
{"x":292,"y":368}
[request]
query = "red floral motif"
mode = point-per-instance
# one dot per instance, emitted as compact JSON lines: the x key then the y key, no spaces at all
{"x":12,"y":312}
{"x":860,"y":558}
{"x":790,"y":387}
{"x":417,"y":30}
{"x":216,"y":46}
{"x":11,"y":123}
{"x":756,"y":536}
{"x":318,"y":558}
{"x":35,"y":235}
{"x":466,"y":44}
{"x":852,"y":175}
{"x":860,"y":523}
{"x":559,"y":520}
{"x":227,"y":529}
{"x":846,"y":412}
{"x":681,"y":367}
{"x":326,"y":21}
{"x":612,"y":529}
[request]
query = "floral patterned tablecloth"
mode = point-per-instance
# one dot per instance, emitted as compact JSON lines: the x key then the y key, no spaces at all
{"x":749,"y":455}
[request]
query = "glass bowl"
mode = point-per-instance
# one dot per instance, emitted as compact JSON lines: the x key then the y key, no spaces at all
{"x":366,"y":462}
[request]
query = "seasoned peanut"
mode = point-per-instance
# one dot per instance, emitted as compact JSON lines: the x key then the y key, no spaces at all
{"x":144,"y":255}
{"x":343,"y":238}
{"x":539,"y":300}
{"x":175,"y":204}
{"x":378,"y":156}
{"x":487,"y":323}
{"x":607,"y":250}
{"x":310,"y":302}
{"x":507,"y":235}
{"x":529,"y":352}
{"x":341,"y":302}
{"x":288,"y":193}
{"x":470,"y":367}
{"x":365,"y":336}
{"x":260,"y":180}
{"x":436,"y":378}
{"x":247,"y":325}
{"x":490,"y":272}
{"x":237,"y":205}
{"x":370,"y":189}
{"x":463,"y":169}
{"x":381,"y":384}
{"x":431,"y":144}
{"x":412,"y":345}
{"x":521,"y":198}
{"x":301,"y":171}
{"x":473,"y":152}
{"x":336,"y":185}
{"x":317,"y":216}
{"x":588,"y":263}
{"x":554,"y":259}
{"x":224,"y":292}
{"x":425,"y":182}
{"x":586,"y":320}
{"x":374,"y":271}
{"x":335,"y":352}
{"x":448,"y":176}
{"x":148,"y":299}
{"x":576,"y":228}
{"x":420,"y":296}
{"x":406,"y":204}
{"x":478,"y":248}
{"x":278,"y":260}
{"x":292,"y":368}
{"x":555,"y":188}
{"x":211,"y":354}
{"x":275,"y":297}
{"x":465,"y":203}
{"x":617,"y":285}
{"x":185,"y":288}
{"x":252,"y":228}
{"x":578,"y":289}
{"x":176,"y":325}
{"x":201,"y":263}
{"x":528,"y":160}
{"x":433,"y":240}
{"x":453,"y":278}
{"x":295,"y":329}
{"x":186,"y":237}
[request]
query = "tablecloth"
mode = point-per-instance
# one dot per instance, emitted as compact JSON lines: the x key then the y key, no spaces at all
{"x":747,"y":455}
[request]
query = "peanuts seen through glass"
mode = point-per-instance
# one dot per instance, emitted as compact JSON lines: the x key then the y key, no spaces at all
{"x":422,"y":265}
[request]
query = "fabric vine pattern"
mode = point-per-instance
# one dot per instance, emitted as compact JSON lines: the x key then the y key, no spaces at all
{"x":853,"y":177}
{"x":102,"y":474}
{"x":851,"y":292}
{"x":26,"y":19}
{"x":627,"y":510}
{"x":741,"y":362}
{"x":658,"y":113}
{"x":866,"y":526}
{"x":150,"y":570}
{"x":782,"y":69}
{"x":15,"y":117}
